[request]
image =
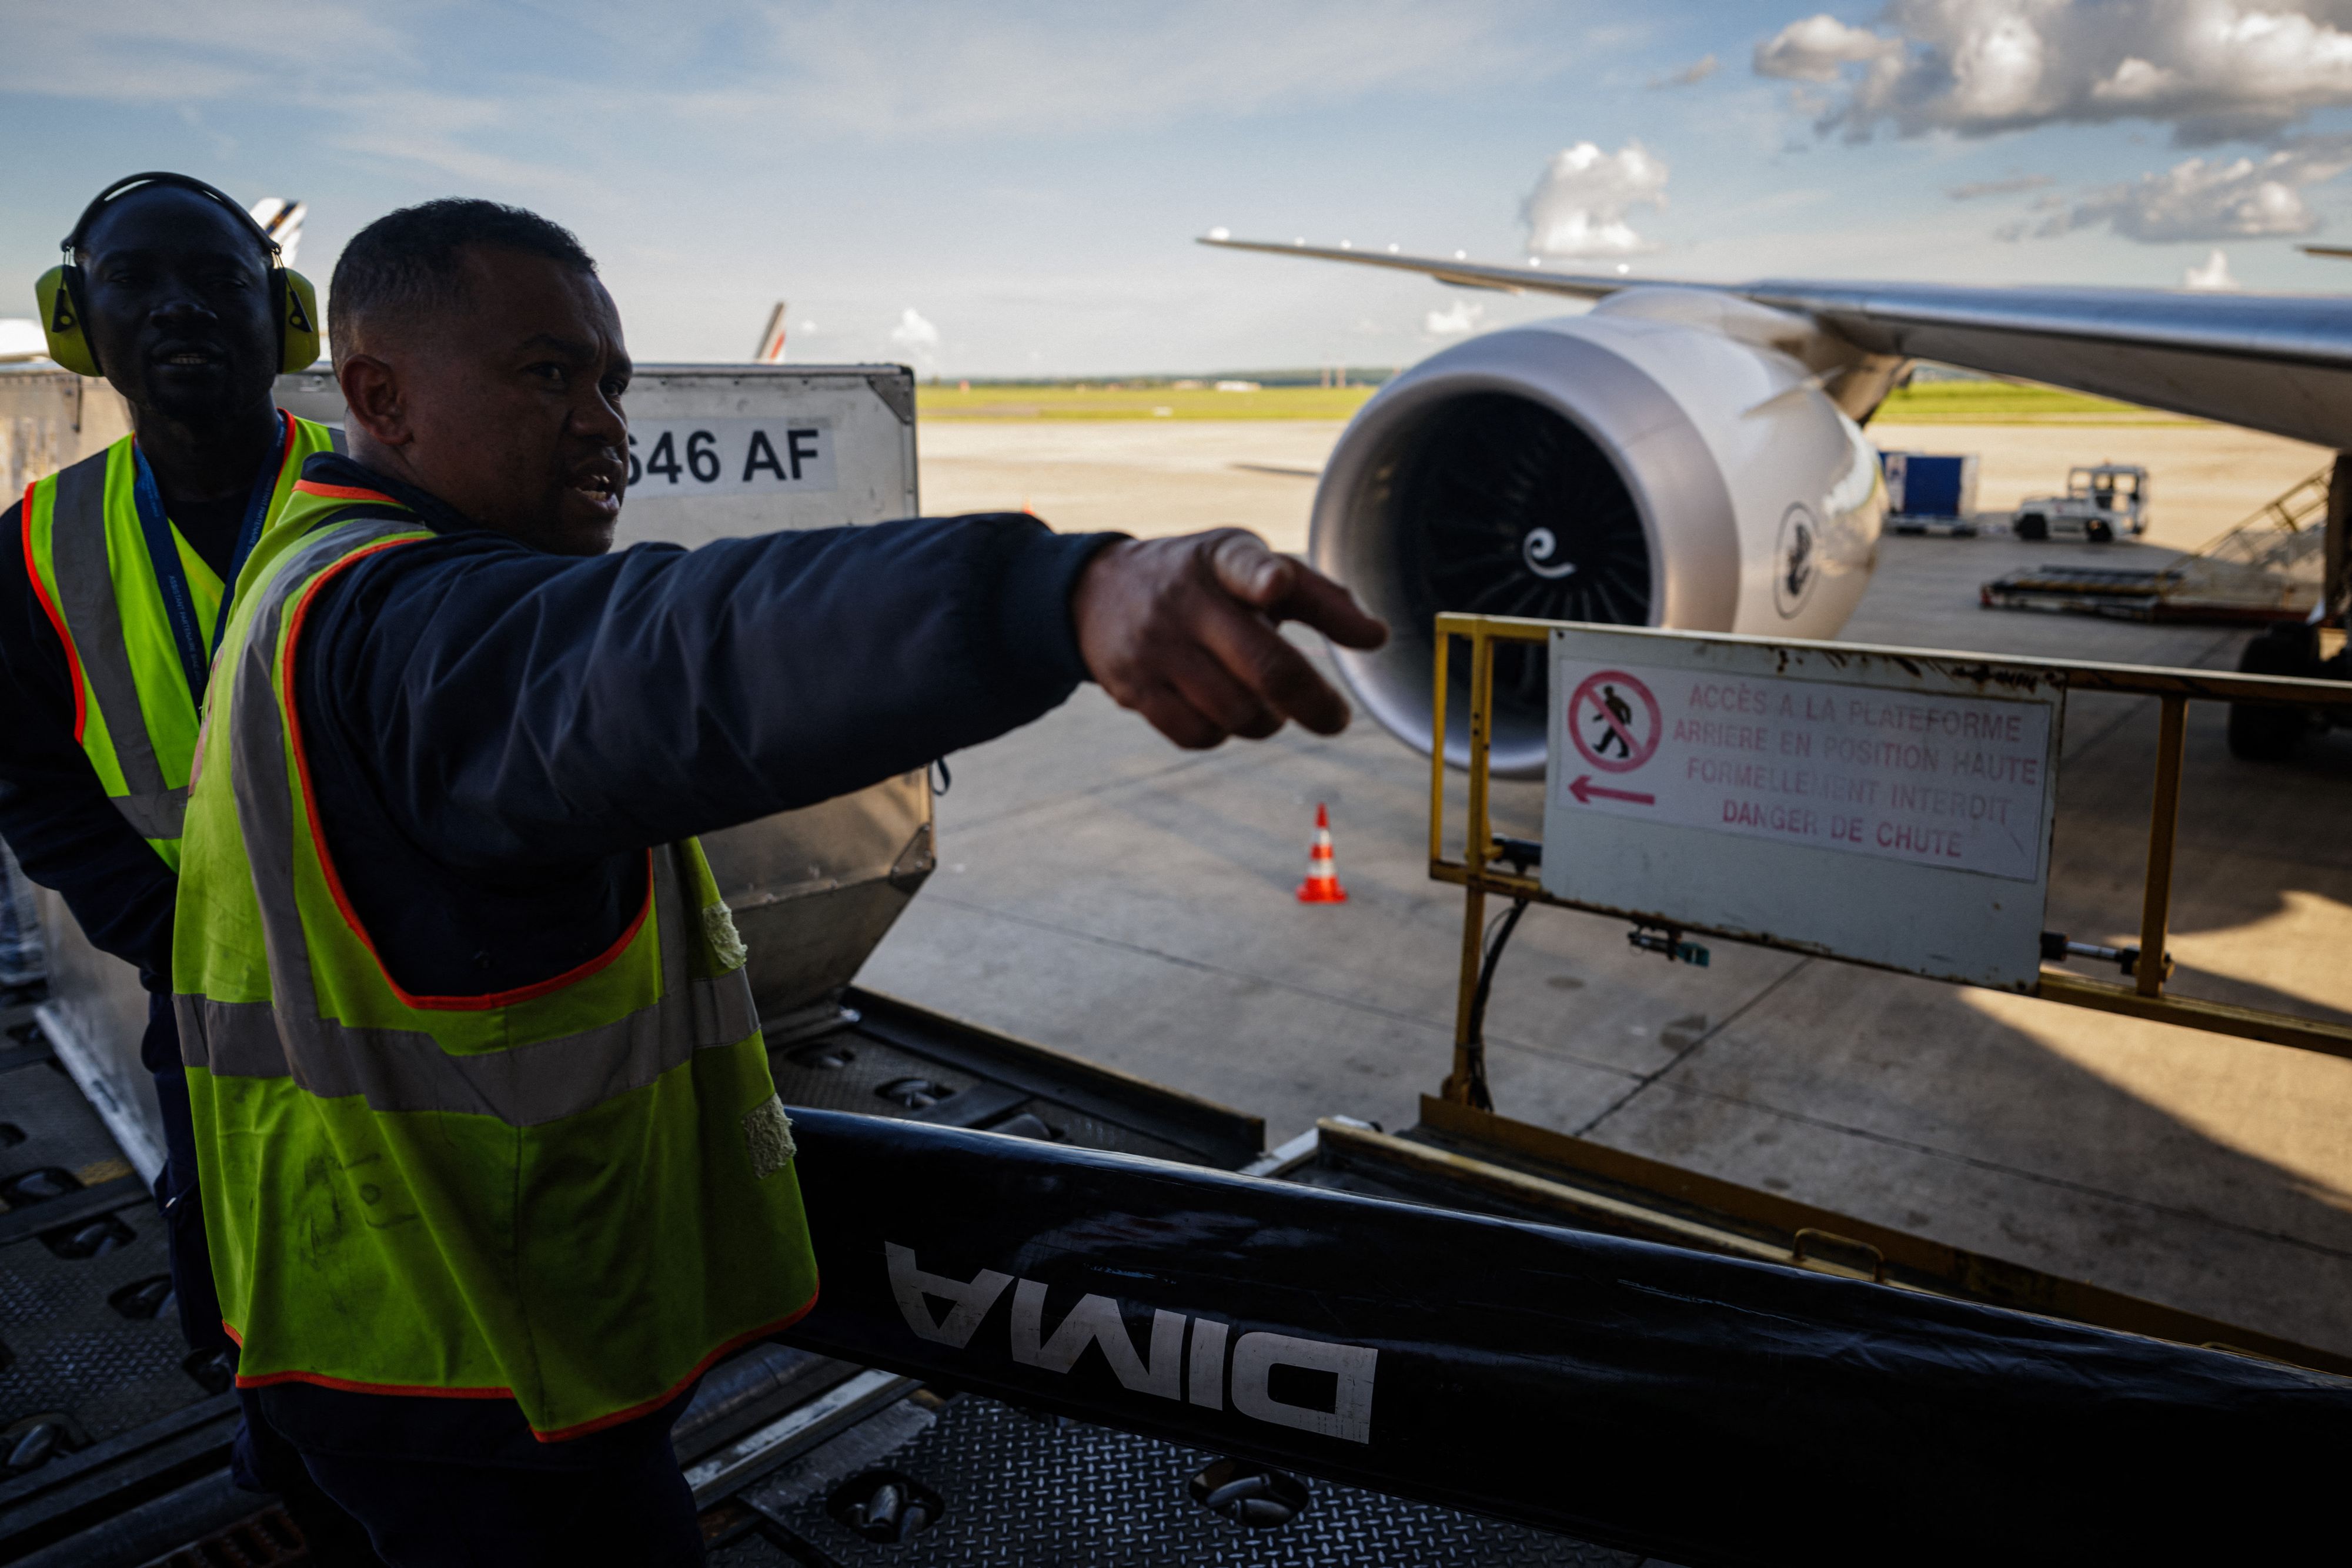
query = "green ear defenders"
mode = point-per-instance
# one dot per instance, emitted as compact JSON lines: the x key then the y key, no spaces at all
{"x":59,"y":289}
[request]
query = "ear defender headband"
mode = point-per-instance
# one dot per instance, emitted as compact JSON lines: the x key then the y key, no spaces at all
{"x":60,"y":290}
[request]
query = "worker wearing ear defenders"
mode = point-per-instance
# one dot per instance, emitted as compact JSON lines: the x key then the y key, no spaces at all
{"x":172,"y":293}
{"x":116,"y":576}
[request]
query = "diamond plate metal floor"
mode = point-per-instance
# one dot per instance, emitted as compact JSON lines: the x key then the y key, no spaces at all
{"x":849,"y":1070}
{"x":45,"y":1123}
{"x":67,"y":1346}
{"x":1042,"y":1493}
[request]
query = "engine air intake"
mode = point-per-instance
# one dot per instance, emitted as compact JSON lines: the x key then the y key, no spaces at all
{"x":1506,"y":508}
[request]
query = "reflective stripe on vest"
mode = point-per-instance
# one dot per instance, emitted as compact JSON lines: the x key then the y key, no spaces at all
{"x":133,"y":716}
{"x":574,"y":1195}
{"x":79,"y":550}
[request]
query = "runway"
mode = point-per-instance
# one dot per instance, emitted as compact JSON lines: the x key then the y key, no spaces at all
{"x":1103,"y":892}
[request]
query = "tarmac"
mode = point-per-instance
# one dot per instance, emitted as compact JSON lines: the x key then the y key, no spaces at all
{"x":1106,"y":894}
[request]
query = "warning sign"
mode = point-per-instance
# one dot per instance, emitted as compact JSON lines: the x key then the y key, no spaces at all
{"x":1604,"y":714}
{"x":1886,"y":805}
{"x":1958,"y":783}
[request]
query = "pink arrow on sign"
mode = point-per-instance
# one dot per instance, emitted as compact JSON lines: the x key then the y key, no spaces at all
{"x":1584,"y":790}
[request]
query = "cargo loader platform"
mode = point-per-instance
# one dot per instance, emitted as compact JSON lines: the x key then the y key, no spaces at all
{"x":119,"y":1439}
{"x":114,"y":1440}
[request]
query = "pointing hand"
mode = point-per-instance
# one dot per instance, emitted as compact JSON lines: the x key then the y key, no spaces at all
{"x":1183,"y":631}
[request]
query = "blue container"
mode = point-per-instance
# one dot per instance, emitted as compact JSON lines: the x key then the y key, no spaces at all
{"x":1930,"y":486}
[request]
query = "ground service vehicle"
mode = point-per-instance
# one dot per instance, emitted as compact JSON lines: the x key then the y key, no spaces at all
{"x":2100,"y":502}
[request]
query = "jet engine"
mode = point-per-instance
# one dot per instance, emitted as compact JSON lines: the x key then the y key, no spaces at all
{"x":1673,"y":458}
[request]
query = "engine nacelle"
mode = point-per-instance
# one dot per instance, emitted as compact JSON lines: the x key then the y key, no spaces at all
{"x":1666,"y":460}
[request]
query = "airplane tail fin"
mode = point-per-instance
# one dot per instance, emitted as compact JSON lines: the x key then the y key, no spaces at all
{"x":770,"y":350}
{"x":282,"y":221}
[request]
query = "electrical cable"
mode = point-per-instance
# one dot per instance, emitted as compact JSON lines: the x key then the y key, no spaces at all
{"x":1498,"y":936}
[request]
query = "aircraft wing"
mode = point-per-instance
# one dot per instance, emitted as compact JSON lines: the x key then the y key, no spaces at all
{"x":2275,"y":362}
{"x":1461,"y":272}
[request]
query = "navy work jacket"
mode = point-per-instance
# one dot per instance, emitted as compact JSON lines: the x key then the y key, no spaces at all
{"x":496,"y":734}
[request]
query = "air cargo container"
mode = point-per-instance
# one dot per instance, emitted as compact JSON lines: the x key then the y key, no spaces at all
{"x":1931,"y":489}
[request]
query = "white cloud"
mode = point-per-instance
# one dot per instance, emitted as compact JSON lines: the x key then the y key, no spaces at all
{"x":1819,"y":47}
{"x":2213,"y":274}
{"x":162,"y":50}
{"x":1085,"y":68}
{"x":823,"y":67}
{"x":2211,"y":69}
{"x":1462,"y":316}
{"x":1691,"y":75}
{"x":329,"y":57}
{"x":1580,"y":203}
{"x":914,"y":332}
{"x":2208,"y":198}
{"x":448,"y":133}
{"x":2010,"y":186}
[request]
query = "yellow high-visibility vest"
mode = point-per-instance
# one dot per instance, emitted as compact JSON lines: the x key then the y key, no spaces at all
{"x":575,"y":1195}
{"x":88,"y":553}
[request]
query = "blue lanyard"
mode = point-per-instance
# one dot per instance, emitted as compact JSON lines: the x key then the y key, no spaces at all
{"x":171,"y":576}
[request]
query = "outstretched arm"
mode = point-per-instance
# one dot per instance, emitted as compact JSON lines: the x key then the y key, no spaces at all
{"x":512,"y":709}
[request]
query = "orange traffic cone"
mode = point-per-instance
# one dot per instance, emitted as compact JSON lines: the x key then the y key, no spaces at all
{"x":1322,"y":884}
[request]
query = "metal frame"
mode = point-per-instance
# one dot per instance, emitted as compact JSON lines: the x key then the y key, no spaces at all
{"x":1557,"y":1177}
{"x":1478,"y":874}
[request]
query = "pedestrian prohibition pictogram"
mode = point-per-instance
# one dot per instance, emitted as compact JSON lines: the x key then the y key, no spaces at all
{"x":1614,"y":722}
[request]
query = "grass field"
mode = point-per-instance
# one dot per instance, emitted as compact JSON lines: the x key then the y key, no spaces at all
{"x":2005,"y":403}
{"x":1924,"y":403}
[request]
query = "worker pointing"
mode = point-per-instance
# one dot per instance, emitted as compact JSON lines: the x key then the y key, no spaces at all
{"x":493,"y":1162}
{"x":113,"y":585}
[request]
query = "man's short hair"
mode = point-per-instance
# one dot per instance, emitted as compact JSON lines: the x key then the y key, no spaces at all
{"x":411,"y":260}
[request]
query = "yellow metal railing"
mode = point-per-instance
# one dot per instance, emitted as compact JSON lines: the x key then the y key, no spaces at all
{"x":1478,"y":874}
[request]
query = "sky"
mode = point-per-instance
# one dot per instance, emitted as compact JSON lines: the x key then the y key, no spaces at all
{"x":1014,"y":189}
